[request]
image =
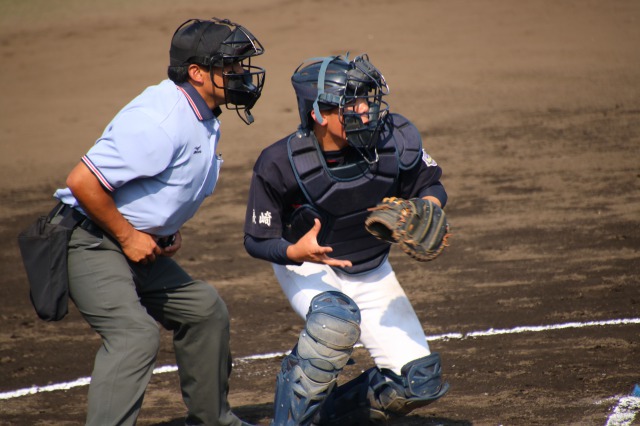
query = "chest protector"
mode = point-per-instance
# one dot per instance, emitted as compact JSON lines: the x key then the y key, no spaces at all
{"x":340,"y":196}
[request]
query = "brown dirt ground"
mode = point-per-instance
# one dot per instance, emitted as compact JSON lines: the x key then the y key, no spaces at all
{"x":532,"y":109}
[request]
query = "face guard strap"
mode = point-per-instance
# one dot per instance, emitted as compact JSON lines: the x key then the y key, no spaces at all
{"x":328,"y":98}
{"x":364,"y":81}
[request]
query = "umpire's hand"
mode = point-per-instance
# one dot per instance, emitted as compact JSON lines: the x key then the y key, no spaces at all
{"x":140,"y":247}
{"x":171,"y":245}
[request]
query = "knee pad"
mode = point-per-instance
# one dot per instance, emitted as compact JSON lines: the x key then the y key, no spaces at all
{"x":331,"y":330}
{"x":375,"y":395}
{"x":310,"y":372}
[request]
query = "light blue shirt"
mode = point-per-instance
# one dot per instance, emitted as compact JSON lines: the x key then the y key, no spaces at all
{"x":157,"y":158}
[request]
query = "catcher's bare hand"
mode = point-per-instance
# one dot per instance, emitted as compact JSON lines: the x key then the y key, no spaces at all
{"x":418,"y":225}
{"x":307,"y":249}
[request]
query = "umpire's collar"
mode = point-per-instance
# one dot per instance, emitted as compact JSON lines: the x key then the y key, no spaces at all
{"x":199,"y":106}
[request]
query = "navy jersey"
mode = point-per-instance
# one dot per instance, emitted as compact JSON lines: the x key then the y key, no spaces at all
{"x":275,"y":193}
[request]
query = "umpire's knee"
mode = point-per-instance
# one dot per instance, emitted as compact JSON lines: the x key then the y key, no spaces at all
{"x":207,"y":306}
{"x":140,"y":339}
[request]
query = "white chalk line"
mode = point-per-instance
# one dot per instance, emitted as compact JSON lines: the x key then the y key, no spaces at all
{"x":623,"y":414}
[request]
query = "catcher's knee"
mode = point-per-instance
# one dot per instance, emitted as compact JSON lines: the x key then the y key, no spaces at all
{"x":310,"y":372}
{"x":333,"y":324}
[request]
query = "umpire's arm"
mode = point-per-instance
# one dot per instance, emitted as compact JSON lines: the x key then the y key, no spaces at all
{"x":101,"y":208}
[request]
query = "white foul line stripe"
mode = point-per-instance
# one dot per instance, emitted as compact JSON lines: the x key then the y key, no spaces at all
{"x":625,"y":412}
{"x":523,"y":329}
{"x":84,"y":381}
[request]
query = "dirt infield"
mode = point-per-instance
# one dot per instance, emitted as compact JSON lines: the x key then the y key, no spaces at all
{"x":531,"y":108}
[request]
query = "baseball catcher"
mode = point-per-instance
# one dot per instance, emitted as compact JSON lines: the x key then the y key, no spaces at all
{"x":326,"y":204}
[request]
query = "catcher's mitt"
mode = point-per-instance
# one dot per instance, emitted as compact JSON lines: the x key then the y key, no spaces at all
{"x":418,"y":225}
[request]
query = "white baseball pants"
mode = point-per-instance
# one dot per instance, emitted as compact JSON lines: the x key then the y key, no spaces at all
{"x":390,"y":329}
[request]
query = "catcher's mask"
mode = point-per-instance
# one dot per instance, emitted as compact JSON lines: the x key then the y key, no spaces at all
{"x":337,"y":82}
{"x":218,"y":43}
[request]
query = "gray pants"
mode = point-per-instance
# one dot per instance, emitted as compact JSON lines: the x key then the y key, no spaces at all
{"x":122,"y":301}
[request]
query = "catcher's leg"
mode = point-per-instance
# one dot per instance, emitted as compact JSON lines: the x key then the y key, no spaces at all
{"x":309,"y":373}
{"x":375,"y":395}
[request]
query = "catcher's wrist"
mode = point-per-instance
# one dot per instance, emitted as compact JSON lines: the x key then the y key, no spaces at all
{"x":293,"y":254}
{"x":433,"y":199}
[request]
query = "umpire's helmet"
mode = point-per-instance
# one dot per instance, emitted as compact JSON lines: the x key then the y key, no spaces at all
{"x":216,"y":43}
{"x":337,"y":82}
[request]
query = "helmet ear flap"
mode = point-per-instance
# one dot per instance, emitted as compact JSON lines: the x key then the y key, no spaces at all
{"x":321,"y":89}
{"x":319,"y":83}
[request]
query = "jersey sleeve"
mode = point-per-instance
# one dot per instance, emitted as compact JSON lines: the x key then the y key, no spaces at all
{"x":132,"y":146}
{"x":270,"y":249}
{"x":263,"y":217}
{"x":423,"y":180}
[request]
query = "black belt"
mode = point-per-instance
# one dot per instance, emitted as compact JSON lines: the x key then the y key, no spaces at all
{"x":76,"y":218}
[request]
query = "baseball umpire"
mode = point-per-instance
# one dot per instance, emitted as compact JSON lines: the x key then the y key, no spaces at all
{"x":134,"y":189}
{"x":350,"y":182}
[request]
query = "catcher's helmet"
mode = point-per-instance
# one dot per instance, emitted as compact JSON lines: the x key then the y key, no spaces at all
{"x":337,"y":82}
{"x":216,"y":43}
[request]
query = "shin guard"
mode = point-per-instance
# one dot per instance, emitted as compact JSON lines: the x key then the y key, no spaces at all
{"x":310,"y":372}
